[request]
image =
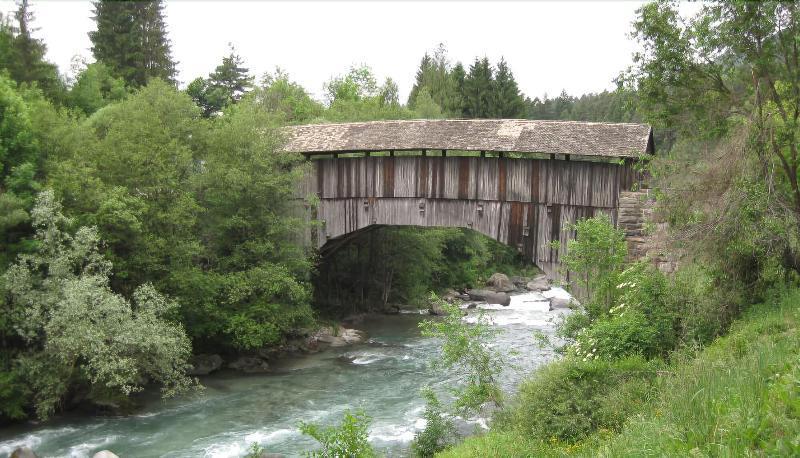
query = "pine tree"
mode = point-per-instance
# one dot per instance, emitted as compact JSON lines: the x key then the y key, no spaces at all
{"x":478,"y":90}
{"x":224,"y":86}
{"x":24,"y":56}
{"x":434,"y":74}
{"x":131,"y":39}
{"x":454,"y":105}
{"x":422,"y":74}
{"x":508,"y":101}
{"x":231,"y":76}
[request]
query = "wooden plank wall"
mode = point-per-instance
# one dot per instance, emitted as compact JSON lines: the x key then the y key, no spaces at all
{"x":525,"y":203}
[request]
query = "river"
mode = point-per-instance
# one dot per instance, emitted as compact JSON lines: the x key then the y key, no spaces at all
{"x":382,"y":376}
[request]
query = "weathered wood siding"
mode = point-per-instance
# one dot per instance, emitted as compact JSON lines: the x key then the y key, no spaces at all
{"x":525,"y":203}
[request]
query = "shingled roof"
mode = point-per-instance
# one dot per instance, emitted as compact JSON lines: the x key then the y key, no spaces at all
{"x":497,"y":135}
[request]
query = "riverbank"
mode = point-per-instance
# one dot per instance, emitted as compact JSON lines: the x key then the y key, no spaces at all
{"x":382,"y":375}
{"x":739,"y":396}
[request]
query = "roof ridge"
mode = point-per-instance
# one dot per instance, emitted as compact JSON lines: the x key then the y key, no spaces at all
{"x":471,"y":120}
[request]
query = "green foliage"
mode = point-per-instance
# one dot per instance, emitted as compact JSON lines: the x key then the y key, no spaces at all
{"x":19,"y":166}
{"x":596,"y":256}
{"x":737,"y":397}
{"x":58,"y":301}
{"x":23,"y":57}
{"x":478,"y":91}
{"x":348,"y":439}
{"x":571,"y":399}
{"x":225,"y":85}
{"x":465,"y":348}
{"x":278,"y":94}
{"x":439,"y":432}
{"x":131,"y":39}
{"x":94,"y":88}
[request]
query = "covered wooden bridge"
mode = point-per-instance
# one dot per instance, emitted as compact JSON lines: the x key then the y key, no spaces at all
{"x":520,"y":182}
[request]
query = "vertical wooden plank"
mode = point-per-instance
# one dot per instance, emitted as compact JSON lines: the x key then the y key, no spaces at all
{"x":388,"y":176}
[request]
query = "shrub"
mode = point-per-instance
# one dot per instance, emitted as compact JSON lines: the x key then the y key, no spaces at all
{"x":596,"y":256}
{"x":465,"y":347}
{"x":570,"y":399}
{"x":439,"y":432}
{"x":348,"y":439}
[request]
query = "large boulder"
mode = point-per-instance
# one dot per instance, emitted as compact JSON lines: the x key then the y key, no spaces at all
{"x":488,"y":296}
{"x":539,"y":283}
{"x":22,"y":452}
{"x":558,"y":302}
{"x":204,"y":364}
{"x":249,"y":365}
{"x":340,"y":336}
{"x":500,"y":283}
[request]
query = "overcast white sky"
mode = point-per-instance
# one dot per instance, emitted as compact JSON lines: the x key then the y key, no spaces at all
{"x":550,"y":46}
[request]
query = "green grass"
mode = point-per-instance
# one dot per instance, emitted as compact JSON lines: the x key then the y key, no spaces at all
{"x":740,"y":396}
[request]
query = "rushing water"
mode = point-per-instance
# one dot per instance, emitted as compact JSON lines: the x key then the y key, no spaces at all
{"x":382,"y":376}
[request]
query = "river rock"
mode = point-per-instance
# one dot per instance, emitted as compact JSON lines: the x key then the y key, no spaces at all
{"x":105,"y":454}
{"x":520,"y":282}
{"x":472,"y":305}
{"x":500,"y":283}
{"x":204,"y":364}
{"x":340,"y":338}
{"x":539,"y":283}
{"x":436,"y":309}
{"x":22,"y":452}
{"x":451,"y":295}
{"x":560,"y":303}
{"x":249,"y":365}
{"x":489,"y":297}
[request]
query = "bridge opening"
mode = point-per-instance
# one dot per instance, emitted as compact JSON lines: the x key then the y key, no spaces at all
{"x":383,"y":268}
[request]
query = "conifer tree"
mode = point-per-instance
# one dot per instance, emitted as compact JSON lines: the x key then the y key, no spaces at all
{"x":508,"y":101}
{"x":422,"y":73}
{"x":224,"y":86}
{"x":131,"y":39}
{"x":479,"y":90}
{"x":455,"y":102}
{"x":24,"y":56}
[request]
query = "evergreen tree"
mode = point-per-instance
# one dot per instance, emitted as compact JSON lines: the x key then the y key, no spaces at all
{"x":225,"y":85}
{"x":424,"y":70}
{"x":509,"y":102}
{"x":131,"y":39}
{"x":455,"y":102}
{"x":434,"y":74}
{"x":478,"y":90}
{"x":23,"y":56}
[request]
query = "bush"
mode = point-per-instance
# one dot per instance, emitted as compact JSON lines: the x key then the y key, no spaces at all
{"x":349,"y":439}
{"x":570,"y":399}
{"x":465,"y":347}
{"x":439,"y":432}
{"x":596,"y":256}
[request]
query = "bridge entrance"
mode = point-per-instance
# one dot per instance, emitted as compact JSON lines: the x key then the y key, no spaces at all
{"x":523,"y":183}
